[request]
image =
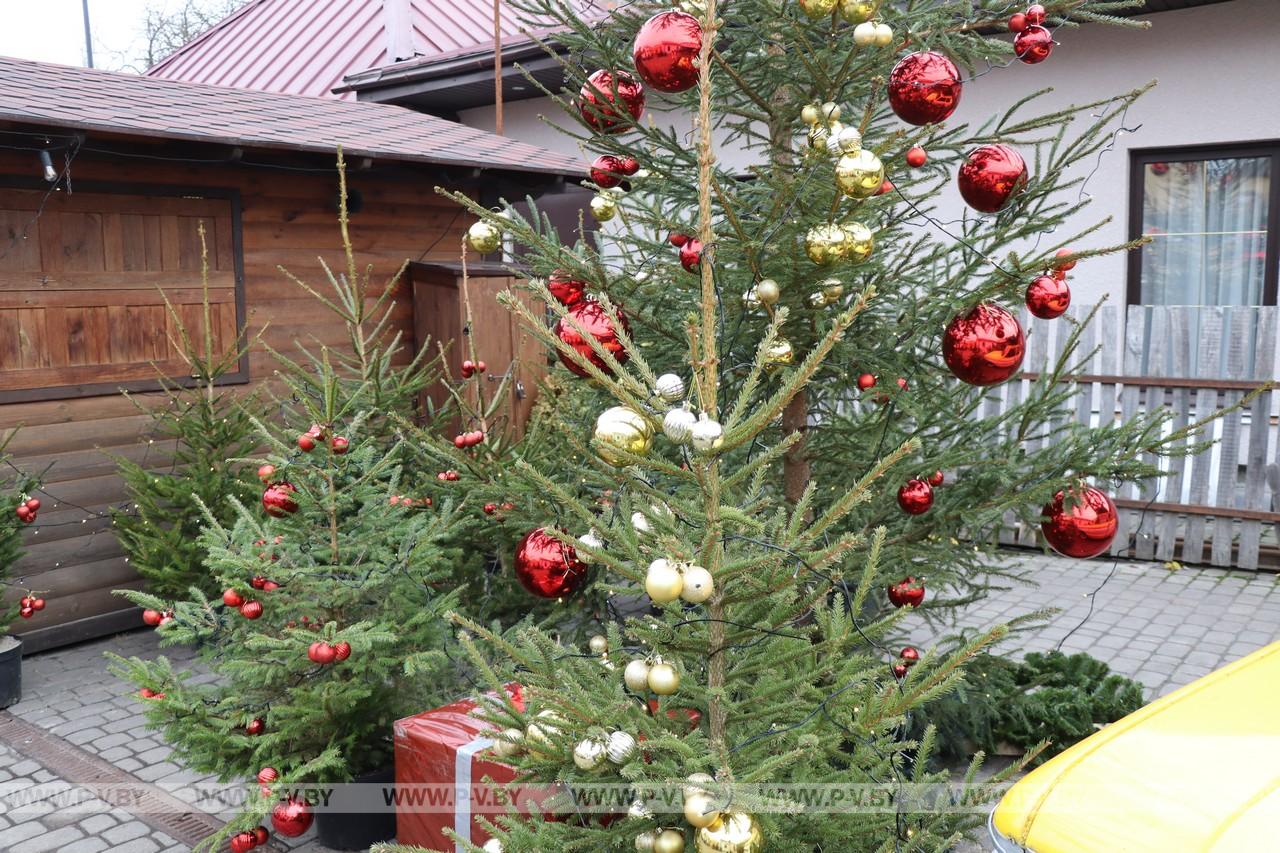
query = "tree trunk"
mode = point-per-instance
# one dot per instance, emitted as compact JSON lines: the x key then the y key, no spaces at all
{"x":795,"y":464}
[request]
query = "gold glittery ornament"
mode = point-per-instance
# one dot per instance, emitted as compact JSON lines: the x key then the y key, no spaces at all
{"x":779,"y":354}
{"x":860,"y":174}
{"x":857,"y":11}
{"x":734,"y":832}
{"x":622,"y":429}
{"x":817,"y":9}
{"x":604,"y":207}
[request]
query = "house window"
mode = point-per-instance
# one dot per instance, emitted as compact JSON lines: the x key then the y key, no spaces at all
{"x":84,"y":277}
{"x":1211,"y":217}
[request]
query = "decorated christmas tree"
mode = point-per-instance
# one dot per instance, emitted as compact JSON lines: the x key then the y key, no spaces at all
{"x":781,"y":448}
{"x":18,"y":508}
{"x":195,"y":431}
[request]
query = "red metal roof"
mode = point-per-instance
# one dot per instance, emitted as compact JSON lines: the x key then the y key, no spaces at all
{"x":306,"y":47}
{"x":88,"y":99}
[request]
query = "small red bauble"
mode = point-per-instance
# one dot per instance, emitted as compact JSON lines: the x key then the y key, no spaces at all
{"x":26,"y":612}
{"x":1033,"y":45}
{"x":591,"y":316}
{"x":568,"y":291}
{"x":260,"y":834}
{"x":606,"y":171}
{"x":243,"y":842}
{"x":1017,"y":22}
{"x":265,"y":472}
{"x":886,"y":186}
{"x":691,"y":254}
{"x":991,"y":176}
{"x":666,"y":51}
{"x":598,"y":106}
{"x":256,"y":726}
{"x":258,"y":581}
{"x":339,"y":444}
{"x":985,"y":346}
{"x":917,"y":157}
{"x":151,"y":617}
{"x":321,"y":653}
{"x":916,"y":497}
{"x":1035,"y":14}
{"x":866,"y":381}
{"x":231,"y":598}
{"x":910,"y":655}
{"x":547,"y":567}
{"x":924,"y":88}
{"x":936,"y":479}
{"x":291,"y":818}
{"x":22,"y":512}
{"x":1087,"y":528}
{"x":490,"y":509}
{"x":899,"y":670}
{"x":306,"y":443}
{"x":1064,"y":253}
{"x":267,"y":775}
{"x":33,"y":504}
{"x":37,"y":604}
{"x":907,"y":592}
{"x":278,"y":500}
{"x":24,"y":601}
{"x":676,"y":239}
{"x":481,"y":367}
{"x":1048,"y":297}
{"x":251,"y":609}
{"x":630,"y":165}
{"x":316,"y":431}
{"x":341,"y":651}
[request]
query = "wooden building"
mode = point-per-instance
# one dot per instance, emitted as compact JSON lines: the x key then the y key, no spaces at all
{"x":104,"y":181}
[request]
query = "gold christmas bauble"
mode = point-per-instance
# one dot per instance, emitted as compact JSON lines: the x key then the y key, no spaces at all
{"x":859,"y":175}
{"x":598,"y":644}
{"x":622,"y":429}
{"x":604,"y":207}
{"x":645,"y":841}
{"x":779,"y":354}
{"x":847,"y":141}
{"x":825,"y":244}
{"x":864,"y":35}
{"x":664,"y":679}
{"x":818,"y":136}
{"x":636,"y":675}
{"x":708,"y":435}
{"x":767,"y":291}
{"x":484,"y":237}
{"x":817,"y":300}
{"x":857,"y":11}
{"x":816,"y":9}
{"x":699,"y":811}
{"x":859,"y":241}
{"x":669,"y":841}
{"x":537,"y":735}
{"x":811,"y":114}
{"x":832,"y":289}
{"x":640,"y":810}
{"x":734,"y":832}
{"x":698,"y":585}
{"x":664,"y":583}
{"x":831,"y":111}
{"x":589,"y":754}
{"x":884,"y":35}
{"x":751,"y":300}
{"x":508,"y":744}
{"x":698,"y":783}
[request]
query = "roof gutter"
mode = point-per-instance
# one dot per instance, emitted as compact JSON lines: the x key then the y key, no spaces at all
{"x":418,"y":72}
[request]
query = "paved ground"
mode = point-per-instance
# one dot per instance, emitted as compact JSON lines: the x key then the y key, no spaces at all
{"x":1163,"y":628}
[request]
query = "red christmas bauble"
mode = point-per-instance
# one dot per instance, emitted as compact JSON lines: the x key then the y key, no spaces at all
{"x":260,"y":834}
{"x":924,"y":88}
{"x":991,"y":176}
{"x":243,"y":842}
{"x":151,"y":617}
{"x":265,"y":472}
{"x":936,"y":479}
{"x":278,"y":500}
{"x":1033,"y":45}
{"x":1064,"y":253}
{"x":26,"y":612}
{"x":341,"y":651}
{"x":866,"y":381}
{"x":916,"y":497}
{"x":1017,"y":22}
{"x":985,"y":346}
{"x":267,"y":775}
{"x":251,"y":609}
{"x":231,"y":598}
{"x":1087,"y":528}
{"x":917,"y":157}
{"x":899,"y":670}
{"x":590,"y":315}
{"x":568,"y":291}
{"x":599,"y":109}
{"x":907,"y":592}
{"x":1035,"y":13}
{"x":291,"y":817}
{"x":691,"y":254}
{"x":547,"y":567}
{"x":666,"y":51}
{"x":256,"y":726}
{"x":910,"y":655}
{"x":33,"y":504}
{"x":606,"y":171}
{"x":677,"y":239}
{"x":339,"y":444}
{"x":1048,"y":297}
{"x":306,"y":443}
{"x":37,"y":604}
{"x":322,"y":653}
{"x":630,"y":165}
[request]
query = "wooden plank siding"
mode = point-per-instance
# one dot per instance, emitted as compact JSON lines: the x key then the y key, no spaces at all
{"x":77,"y":301}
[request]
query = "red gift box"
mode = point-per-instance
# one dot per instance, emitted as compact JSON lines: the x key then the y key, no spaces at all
{"x":442,"y":759}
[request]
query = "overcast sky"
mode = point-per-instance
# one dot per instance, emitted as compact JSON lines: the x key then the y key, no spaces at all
{"x":53,"y":30}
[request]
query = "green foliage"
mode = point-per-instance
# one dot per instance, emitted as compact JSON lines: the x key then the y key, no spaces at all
{"x":15,"y":487}
{"x":199,"y":427}
{"x":1054,"y":698}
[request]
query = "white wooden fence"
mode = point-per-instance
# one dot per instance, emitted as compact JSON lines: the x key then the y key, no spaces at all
{"x":1216,"y":507}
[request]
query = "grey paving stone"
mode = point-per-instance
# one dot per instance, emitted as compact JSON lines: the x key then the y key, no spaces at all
{"x":140,"y":845}
{"x":22,"y":831}
{"x":85,"y":845}
{"x":126,"y":832}
{"x":97,"y":823}
{"x":47,"y":842}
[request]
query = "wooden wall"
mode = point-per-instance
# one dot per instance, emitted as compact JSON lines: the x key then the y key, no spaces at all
{"x":288,"y":218}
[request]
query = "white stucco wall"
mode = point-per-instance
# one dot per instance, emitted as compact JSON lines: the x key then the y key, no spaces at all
{"x":1217,"y":67}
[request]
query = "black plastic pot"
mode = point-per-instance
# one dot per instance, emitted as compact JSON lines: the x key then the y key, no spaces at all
{"x":11,"y":673}
{"x":359,"y":817}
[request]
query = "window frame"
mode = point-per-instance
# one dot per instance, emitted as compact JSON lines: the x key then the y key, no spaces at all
{"x":1140,"y":158}
{"x":240,"y":376}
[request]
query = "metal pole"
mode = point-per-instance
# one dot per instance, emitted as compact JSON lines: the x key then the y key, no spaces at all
{"x":88,"y":37}
{"x":497,"y":66}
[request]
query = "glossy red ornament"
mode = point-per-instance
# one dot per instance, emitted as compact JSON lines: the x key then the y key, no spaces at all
{"x":33,"y":504}
{"x":243,"y":842}
{"x":37,"y":604}
{"x":341,"y":651}
{"x":886,"y":186}
{"x":915,"y":497}
{"x":265,"y":472}
{"x":267,"y":775}
{"x":1048,"y":297}
{"x":600,"y":109}
{"x":255,"y":727}
{"x":1087,"y":528}
{"x":985,"y":346}
{"x":910,"y":655}
{"x":306,"y":443}
{"x":907,"y":592}
{"x":1017,"y":22}
{"x":591,"y":316}
{"x":26,"y":612}
{"x":1033,"y":45}
{"x":321,"y":653}
{"x":900,"y":670}
{"x":1065,"y":253}
{"x":292,"y":817}
{"x":151,"y":617}
{"x":1035,"y":13}
{"x":278,"y":500}
{"x":666,"y":51}
{"x":568,"y":291}
{"x":606,"y":171}
{"x":547,"y":567}
{"x":25,"y":601}
{"x":339,"y":444}
{"x":490,"y":508}
{"x":866,"y":381}
{"x":924,"y":88}
{"x":691,"y":254}
{"x":917,"y":157}
{"x":991,"y":176}
{"x":630,"y":165}
{"x":936,"y":479}
{"x":231,"y":598}
{"x":677,"y":239}
{"x":260,"y":834}
{"x":251,"y":609}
